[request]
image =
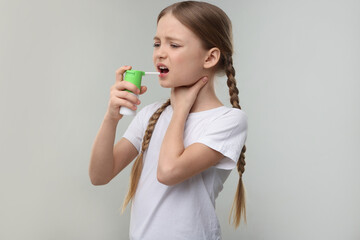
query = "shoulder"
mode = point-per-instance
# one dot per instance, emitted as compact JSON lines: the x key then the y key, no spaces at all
{"x":152,"y":106}
{"x":231,"y":117}
{"x":226,"y":132}
{"x":148,"y":110}
{"x":235,"y":113}
{"x":136,"y":130}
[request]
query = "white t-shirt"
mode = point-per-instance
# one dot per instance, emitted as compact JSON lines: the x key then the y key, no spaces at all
{"x":185,"y":211}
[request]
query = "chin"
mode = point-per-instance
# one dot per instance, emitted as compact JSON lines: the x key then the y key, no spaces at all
{"x":165,"y":84}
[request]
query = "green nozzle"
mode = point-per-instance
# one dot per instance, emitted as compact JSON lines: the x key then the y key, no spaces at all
{"x":134,"y":77}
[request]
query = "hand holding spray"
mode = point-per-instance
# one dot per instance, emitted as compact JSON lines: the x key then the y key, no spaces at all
{"x":135,"y":78}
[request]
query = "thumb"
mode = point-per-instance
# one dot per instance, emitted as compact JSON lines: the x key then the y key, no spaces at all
{"x":202,"y":82}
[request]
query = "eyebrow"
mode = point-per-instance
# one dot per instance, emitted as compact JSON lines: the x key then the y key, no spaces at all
{"x":168,"y":38}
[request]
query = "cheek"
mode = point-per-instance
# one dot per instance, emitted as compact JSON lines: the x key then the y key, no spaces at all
{"x":185,"y":63}
{"x":178,"y":59}
{"x":195,"y":60}
{"x":154,"y":57}
{"x":188,"y":67}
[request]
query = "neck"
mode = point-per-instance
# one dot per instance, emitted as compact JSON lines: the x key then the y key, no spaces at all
{"x":206,"y":98}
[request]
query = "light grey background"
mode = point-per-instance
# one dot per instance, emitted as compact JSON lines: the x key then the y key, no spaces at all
{"x":297,"y":66}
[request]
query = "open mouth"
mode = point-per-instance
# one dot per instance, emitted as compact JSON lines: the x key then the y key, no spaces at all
{"x":163,"y":69}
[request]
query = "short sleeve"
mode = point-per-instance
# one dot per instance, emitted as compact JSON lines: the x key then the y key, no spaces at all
{"x":227,"y":134}
{"x":136,"y":130}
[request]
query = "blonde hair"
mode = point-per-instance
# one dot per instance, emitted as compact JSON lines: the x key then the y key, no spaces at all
{"x":213,"y":27}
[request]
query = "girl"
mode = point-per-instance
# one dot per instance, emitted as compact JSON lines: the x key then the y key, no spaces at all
{"x":187,"y":146}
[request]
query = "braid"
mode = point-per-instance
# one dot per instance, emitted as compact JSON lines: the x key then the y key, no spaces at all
{"x":231,"y":82}
{"x":138,"y":164}
{"x":238,"y":206}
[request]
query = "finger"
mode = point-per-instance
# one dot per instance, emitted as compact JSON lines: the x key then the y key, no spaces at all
{"x":143,"y":89}
{"x":120,"y":72}
{"x":124,"y":85}
{"x":127,"y":96}
{"x":202,"y":82}
{"x":119,"y":102}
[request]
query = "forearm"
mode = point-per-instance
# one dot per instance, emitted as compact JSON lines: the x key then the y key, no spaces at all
{"x":102,"y":159}
{"x":173,"y":143}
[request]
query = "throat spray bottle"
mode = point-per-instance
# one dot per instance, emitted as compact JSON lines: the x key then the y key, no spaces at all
{"x":134,"y":77}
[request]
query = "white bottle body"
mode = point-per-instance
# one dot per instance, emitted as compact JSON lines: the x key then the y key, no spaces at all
{"x":127,"y":111}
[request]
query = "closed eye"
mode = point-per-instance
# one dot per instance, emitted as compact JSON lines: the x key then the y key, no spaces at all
{"x":173,"y":45}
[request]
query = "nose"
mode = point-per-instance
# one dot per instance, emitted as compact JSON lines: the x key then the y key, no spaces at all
{"x":160,"y":52}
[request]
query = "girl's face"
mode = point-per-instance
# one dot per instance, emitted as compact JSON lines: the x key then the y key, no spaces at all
{"x":178,"y":53}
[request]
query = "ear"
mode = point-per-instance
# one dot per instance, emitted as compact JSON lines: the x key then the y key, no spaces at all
{"x":212,"y":57}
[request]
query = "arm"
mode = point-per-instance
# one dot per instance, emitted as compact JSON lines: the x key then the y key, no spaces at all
{"x":177,"y":163}
{"x":106,"y":159}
